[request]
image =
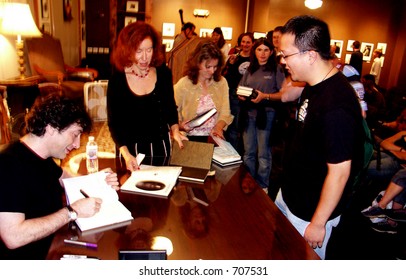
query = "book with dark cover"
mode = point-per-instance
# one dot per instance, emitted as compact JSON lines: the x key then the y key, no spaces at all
{"x":195,"y":160}
{"x":201,"y":118}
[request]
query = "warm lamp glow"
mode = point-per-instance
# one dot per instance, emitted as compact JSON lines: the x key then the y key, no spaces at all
{"x":313,"y":4}
{"x":162,"y":243}
{"x":201,"y":13}
{"x":17,"y":20}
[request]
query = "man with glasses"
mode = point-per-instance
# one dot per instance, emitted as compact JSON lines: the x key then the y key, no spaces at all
{"x":325,"y":150}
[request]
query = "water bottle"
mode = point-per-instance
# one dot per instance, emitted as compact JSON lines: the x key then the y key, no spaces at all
{"x":92,"y":163}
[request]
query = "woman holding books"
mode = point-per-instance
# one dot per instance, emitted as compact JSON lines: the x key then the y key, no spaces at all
{"x":265,"y":76}
{"x":201,"y":89}
{"x":140,"y":99}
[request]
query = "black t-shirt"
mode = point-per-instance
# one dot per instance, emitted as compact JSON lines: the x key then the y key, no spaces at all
{"x":328,"y":130}
{"x":30,"y":185}
{"x":236,"y":71}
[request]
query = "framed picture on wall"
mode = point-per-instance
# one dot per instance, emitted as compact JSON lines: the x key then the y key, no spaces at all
{"x":349,"y":45}
{"x":205,"y":32}
{"x":381,"y":46}
{"x":338,"y":44}
{"x":67,"y":10}
{"x":227,"y":33}
{"x":258,"y":35}
{"x":168,"y":29}
{"x":128,"y":20}
{"x":132,"y":6}
{"x":367,"y":49}
{"x":45,"y":9}
{"x":168,"y":44}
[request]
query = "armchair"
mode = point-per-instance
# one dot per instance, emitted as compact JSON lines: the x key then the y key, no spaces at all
{"x":45,"y":58}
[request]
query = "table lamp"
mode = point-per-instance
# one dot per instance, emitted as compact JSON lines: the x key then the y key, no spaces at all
{"x":17,"y":20}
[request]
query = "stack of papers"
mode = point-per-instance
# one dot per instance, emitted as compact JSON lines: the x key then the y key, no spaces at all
{"x":225,"y":154}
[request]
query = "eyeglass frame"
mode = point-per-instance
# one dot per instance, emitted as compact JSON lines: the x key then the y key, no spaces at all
{"x":292,"y":54}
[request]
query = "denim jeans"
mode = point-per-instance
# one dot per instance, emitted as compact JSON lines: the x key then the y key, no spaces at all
{"x":232,"y":133}
{"x":257,"y":148}
{"x":388,"y":167}
{"x":301,"y":225}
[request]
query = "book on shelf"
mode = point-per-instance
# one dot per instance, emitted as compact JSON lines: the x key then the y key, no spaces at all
{"x":225,"y":154}
{"x":201,"y":118}
{"x":247,"y":92}
{"x":112,"y":213}
{"x":194,"y":158}
{"x":198,"y":195}
{"x":157,"y":181}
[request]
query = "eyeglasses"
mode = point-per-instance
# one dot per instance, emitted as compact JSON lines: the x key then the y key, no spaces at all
{"x":292,"y":54}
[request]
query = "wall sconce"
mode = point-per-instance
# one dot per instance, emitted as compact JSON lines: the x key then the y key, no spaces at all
{"x":313,"y":4}
{"x":17,"y":20}
{"x":201,"y":13}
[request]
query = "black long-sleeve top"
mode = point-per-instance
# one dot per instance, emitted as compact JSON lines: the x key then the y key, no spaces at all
{"x":133,"y":118}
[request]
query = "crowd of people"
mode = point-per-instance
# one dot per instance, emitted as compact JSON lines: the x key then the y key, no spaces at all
{"x":147,"y":113}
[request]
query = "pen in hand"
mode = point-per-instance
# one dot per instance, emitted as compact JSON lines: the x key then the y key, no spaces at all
{"x":84,"y":193}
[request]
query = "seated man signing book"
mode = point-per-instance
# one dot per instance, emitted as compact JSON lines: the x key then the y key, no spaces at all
{"x":31,"y":207}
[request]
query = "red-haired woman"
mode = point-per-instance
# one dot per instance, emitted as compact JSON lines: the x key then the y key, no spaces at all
{"x":140,"y":99}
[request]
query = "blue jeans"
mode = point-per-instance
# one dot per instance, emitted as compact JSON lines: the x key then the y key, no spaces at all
{"x":389,"y":166}
{"x":232,"y":133}
{"x":301,"y":225}
{"x":257,"y":148}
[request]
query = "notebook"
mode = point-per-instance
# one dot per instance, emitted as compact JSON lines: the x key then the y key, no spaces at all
{"x":195,"y":160}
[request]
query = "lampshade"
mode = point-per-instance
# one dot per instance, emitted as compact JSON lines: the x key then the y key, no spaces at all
{"x":17,"y":20}
{"x":313,"y":4}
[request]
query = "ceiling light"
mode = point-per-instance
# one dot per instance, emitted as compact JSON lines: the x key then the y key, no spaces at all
{"x":313,"y":4}
{"x":201,"y":13}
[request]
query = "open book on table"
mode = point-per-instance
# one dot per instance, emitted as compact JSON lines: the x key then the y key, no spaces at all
{"x":112,"y":212}
{"x":150,"y":180}
{"x":225,"y":154}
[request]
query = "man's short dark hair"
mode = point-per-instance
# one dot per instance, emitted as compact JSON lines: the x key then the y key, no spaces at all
{"x":310,"y":33}
{"x":188,"y":25}
{"x":58,"y":112}
{"x":356,"y":44}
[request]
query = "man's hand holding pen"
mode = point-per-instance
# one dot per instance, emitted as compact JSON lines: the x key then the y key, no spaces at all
{"x":87,"y":207}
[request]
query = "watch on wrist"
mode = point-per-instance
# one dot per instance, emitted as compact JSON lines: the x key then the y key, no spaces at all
{"x":72,"y":213}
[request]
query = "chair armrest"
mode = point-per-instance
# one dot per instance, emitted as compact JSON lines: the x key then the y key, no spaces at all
{"x":59,"y":75}
{"x":88,"y":74}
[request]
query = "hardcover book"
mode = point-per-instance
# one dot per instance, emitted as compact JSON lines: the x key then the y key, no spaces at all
{"x":112,"y":212}
{"x":157,"y":181}
{"x":195,"y":160}
{"x":201,"y":118}
{"x":247,"y":92}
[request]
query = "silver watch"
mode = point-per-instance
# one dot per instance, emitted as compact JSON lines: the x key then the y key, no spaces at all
{"x":72,"y":213}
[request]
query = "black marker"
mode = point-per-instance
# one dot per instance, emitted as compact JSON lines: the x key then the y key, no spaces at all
{"x":84,"y":194}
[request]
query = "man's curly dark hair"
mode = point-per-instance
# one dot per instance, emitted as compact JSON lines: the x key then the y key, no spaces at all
{"x":58,"y":112}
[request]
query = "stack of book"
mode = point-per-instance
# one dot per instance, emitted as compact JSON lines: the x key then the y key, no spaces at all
{"x":247,"y":92}
{"x":224,"y":154}
{"x":201,"y":118}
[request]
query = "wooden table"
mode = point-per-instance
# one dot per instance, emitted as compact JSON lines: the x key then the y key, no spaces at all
{"x":240,"y":223}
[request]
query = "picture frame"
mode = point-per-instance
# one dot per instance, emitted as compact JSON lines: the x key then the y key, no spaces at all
{"x":367,"y":49}
{"x":128,"y":20}
{"x":349,"y":45}
{"x":168,"y":29}
{"x":258,"y":35}
{"x":382,"y":46}
{"x":45,"y":9}
{"x":46,"y":28}
{"x":339,"y":44}
{"x":132,"y":6}
{"x":168,"y":44}
{"x":227,"y":33}
{"x":205,"y":32}
{"x":347,"y":58}
{"x":67,"y":10}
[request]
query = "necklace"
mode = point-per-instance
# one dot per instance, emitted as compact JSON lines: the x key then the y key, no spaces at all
{"x":328,"y":73}
{"x":138,"y":75}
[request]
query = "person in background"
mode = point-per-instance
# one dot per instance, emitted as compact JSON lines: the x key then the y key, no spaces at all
{"x":187,"y":33}
{"x":276,"y":41}
{"x":357,"y":57}
{"x":376,"y":65}
{"x":325,"y":151}
{"x":140,"y":99}
{"x":237,"y":48}
{"x":265,"y":76}
{"x":375,"y":101}
{"x":201,"y":89}
{"x":31,"y":206}
{"x":218,"y":38}
{"x":235,"y":68}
